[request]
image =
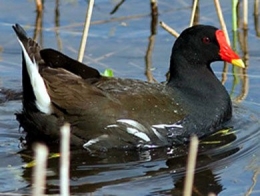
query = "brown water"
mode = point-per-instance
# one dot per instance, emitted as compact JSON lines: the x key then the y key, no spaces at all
{"x":119,"y":42}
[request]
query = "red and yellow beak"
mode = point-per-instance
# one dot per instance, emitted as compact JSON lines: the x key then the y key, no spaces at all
{"x":226,"y":53}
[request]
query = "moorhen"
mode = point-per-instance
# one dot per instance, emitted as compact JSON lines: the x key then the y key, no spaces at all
{"x":106,"y":112}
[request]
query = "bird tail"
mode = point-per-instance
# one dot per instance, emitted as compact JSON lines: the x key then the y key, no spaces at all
{"x":35,"y":95}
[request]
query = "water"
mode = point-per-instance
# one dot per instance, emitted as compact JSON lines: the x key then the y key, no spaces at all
{"x":230,"y":167}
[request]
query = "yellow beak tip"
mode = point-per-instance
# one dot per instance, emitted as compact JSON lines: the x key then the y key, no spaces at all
{"x":238,"y":62}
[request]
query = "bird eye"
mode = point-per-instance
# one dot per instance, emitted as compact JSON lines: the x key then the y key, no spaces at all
{"x":206,"y":40}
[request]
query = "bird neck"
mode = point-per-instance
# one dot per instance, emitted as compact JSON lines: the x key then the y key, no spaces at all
{"x":201,"y":93}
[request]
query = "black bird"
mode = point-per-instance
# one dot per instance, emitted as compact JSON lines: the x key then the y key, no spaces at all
{"x":107,"y":113}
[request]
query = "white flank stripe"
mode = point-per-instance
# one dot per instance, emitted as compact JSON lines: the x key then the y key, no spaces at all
{"x":95,"y":140}
{"x":159,"y":135}
{"x":150,"y":146}
{"x":90,"y":142}
{"x":43,"y":100}
{"x":137,"y":133}
{"x":133,"y":123}
{"x":110,"y":126}
{"x":163,"y":126}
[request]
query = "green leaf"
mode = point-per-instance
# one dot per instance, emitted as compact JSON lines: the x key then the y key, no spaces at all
{"x":108,"y":73}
